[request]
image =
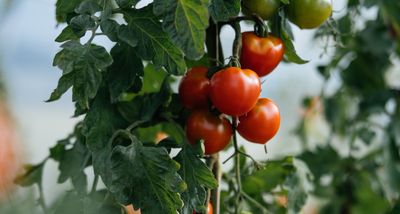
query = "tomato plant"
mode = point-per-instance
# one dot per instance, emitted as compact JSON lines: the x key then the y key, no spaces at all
{"x":261,"y":123}
{"x":308,"y":14}
{"x":259,"y":54}
{"x":194,"y":88}
{"x":235,"y":91}
{"x":215,"y":131}
{"x":264,"y":8}
{"x":127,"y":94}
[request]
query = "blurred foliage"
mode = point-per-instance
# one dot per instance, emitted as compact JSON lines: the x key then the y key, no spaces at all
{"x":357,"y":169}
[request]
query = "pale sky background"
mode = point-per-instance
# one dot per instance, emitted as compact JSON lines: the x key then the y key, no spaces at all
{"x":27,"y":47}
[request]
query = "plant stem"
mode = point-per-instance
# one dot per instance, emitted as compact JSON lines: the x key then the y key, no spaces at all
{"x":216,"y":55}
{"x":256,"y":203}
{"x":95,"y":182}
{"x":237,"y":44}
{"x":41,"y":200}
{"x":237,"y":166}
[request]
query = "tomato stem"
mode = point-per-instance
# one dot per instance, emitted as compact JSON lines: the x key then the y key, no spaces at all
{"x":237,"y":165}
{"x":94,"y":186}
{"x":41,"y":199}
{"x":237,"y":45}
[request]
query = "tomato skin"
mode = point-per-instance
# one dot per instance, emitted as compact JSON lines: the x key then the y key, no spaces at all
{"x":264,"y":8}
{"x":194,"y":88}
{"x":235,"y":91}
{"x":261,"y":123}
{"x":209,"y":209}
{"x":259,"y":54}
{"x":131,"y":210}
{"x":215,"y":131}
{"x":309,"y":14}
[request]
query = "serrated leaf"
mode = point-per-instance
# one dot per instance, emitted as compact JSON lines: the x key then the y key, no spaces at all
{"x":126,"y":69}
{"x":144,"y":107}
{"x":80,"y":24}
{"x":99,"y":125}
{"x":66,"y":34}
{"x":73,"y":161}
{"x":126,"y":35}
{"x":88,"y":7}
{"x":153,"y":43}
{"x":185,"y":21}
{"x":146,"y":177}
{"x":197,"y":176}
{"x":82,"y":65}
{"x":222,"y":10}
{"x":65,"y":7}
{"x":110,"y":28}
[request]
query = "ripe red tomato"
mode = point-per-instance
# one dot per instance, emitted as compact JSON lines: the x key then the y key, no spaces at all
{"x":215,"y":131}
{"x":209,"y":209}
{"x":259,"y":54}
{"x":261,"y":123}
{"x":235,"y":91}
{"x":194,"y":88}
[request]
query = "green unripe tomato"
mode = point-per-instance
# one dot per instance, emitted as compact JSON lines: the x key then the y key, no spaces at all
{"x":264,"y":8}
{"x":308,"y":14}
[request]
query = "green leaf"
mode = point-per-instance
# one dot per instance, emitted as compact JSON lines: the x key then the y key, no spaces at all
{"x":126,"y":70}
{"x":127,"y":35}
{"x":89,"y":7}
{"x":367,"y":200}
{"x":153,"y":43}
{"x":66,"y":34}
{"x":110,"y":28}
{"x":197,"y":176}
{"x":144,"y":107}
{"x":222,"y":10}
{"x":32,"y":175}
{"x":73,"y":162}
{"x":74,"y":202}
{"x":82,"y":66}
{"x":64,"y":8}
{"x":326,"y":155}
{"x":265,"y":180}
{"x":99,"y":125}
{"x":185,"y":21}
{"x":146,"y":177}
{"x":80,"y":24}
{"x":297,"y":196}
{"x":290,"y":51}
{"x":126,"y":3}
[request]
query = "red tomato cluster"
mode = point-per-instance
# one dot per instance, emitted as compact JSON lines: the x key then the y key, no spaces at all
{"x":235,"y":92}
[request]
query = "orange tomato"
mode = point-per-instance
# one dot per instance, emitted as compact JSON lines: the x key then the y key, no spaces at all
{"x":131,"y":210}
